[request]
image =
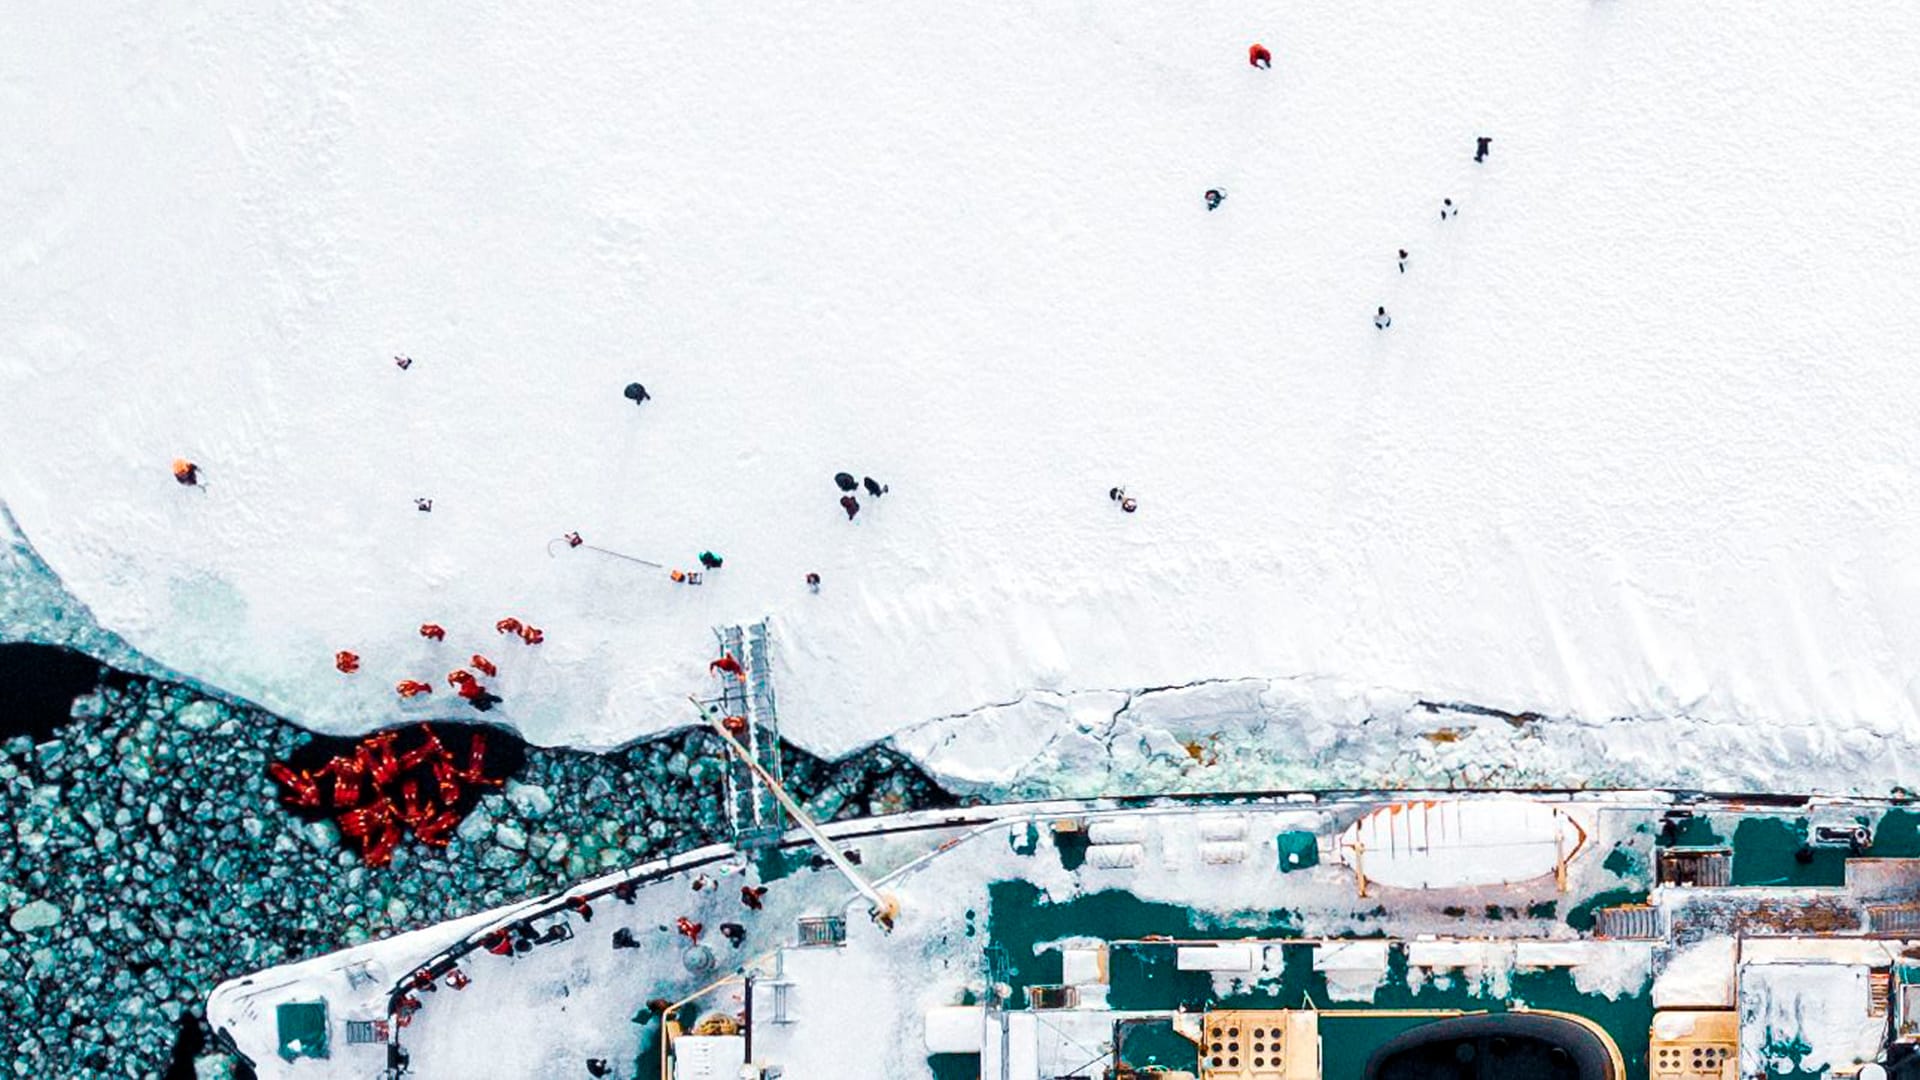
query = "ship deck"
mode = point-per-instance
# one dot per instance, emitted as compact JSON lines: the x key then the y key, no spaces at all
{"x":1079,"y":939}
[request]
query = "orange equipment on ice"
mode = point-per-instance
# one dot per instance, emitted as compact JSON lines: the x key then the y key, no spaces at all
{"x":347,"y":774}
{"x":437,"y":830}
{"x":428,"y":750}
{"x":375,"y":755}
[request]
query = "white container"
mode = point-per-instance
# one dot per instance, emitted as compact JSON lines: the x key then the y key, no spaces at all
{"x":1214,"y":958}
{"x":1116,"y":831}
{"x":1223,"y":852}
{"x":1115,"y":856}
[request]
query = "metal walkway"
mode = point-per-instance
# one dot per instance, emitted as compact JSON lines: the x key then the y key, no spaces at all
{"x":752,"y":811}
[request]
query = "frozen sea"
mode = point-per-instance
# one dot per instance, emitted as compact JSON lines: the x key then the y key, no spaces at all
{"x":1636,"y":452}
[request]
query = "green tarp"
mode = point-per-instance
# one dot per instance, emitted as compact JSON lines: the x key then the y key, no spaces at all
{"x":303,"y":1029}
{"x":1298,"y":850}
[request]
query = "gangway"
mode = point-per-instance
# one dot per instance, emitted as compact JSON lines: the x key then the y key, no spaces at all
{"x":755,"y":815}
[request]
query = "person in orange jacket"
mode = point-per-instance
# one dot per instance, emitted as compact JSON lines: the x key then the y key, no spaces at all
{"x":485,"y":665}
{"x":532,"y":635}
{"x":186,"y":472}
{"x":471,"y":691}
{"x":347,"y":662}
{"x":433,"y":632}
{"x":508,"y":625}
{"x":1258,"y":56}
{"x":408,"y":688}
{"x":729,"y":665}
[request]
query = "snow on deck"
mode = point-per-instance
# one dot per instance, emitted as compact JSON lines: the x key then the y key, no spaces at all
{"x":1637,"y":441}
{"x":994,"y":901}
{"x":1807,"y":1018}
{"x":547,"y":1011}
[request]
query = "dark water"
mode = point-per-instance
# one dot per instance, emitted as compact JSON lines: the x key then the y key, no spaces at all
{"x":37,"y":686}
{"x":191,"y":1043}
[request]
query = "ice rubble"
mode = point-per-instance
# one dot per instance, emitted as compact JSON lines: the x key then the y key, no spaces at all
{"x":1276,"y":734}
{"x":147,"y":857}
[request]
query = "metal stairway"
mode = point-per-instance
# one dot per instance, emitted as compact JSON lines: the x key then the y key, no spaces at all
{"x":1629,"y":922}
{"x":752,"y":811}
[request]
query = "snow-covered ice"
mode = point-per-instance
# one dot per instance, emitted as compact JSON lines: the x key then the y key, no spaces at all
{"x":1637,"y":443}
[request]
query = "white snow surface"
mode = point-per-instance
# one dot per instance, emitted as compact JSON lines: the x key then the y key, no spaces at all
{"x":1637,"y":443}
{"x":1812,"y":1017}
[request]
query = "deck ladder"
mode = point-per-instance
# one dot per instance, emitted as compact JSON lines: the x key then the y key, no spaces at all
{"x":1629,"y":922}
{"x":753,"y":812}
{"x":1704,"y":867}
{"x":1893,"y":919}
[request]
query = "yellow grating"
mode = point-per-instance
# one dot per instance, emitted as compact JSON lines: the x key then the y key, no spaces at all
{"x":1703,"y":1045}
{"x":1260,"y":1044}
{"x":1879,"y":991}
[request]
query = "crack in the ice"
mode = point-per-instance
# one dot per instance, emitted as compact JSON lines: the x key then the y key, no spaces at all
{"x":1518,"y":720}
